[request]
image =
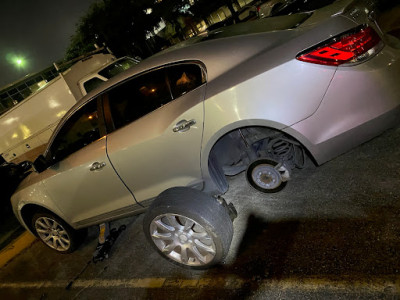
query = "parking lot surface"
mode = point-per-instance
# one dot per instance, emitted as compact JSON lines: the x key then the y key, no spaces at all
{"x":332,"y":233}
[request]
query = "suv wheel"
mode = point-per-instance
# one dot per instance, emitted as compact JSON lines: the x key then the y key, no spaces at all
{"x":55,"y":233}
{"x":189,"y":228}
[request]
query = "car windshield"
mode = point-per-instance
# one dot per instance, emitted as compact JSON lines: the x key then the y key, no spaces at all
{"x":297,"y":6}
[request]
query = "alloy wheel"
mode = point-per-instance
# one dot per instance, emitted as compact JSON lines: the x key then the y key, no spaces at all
{"x":182,"y":239}
{"x":53,"y":234}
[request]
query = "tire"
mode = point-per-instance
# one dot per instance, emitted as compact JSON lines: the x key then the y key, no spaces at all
{"x":55,"y":233}
{"x":189,"y":228}
{"x":265,"y":175}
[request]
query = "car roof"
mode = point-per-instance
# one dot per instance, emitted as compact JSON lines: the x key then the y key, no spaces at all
{"x":215,"y":49}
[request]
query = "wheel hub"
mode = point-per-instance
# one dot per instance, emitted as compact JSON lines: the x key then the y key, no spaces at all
{"x":183,"y":238}
{"x":266,"y":176}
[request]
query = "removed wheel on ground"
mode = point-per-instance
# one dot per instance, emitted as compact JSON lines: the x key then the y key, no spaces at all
{"x":189,"y":228}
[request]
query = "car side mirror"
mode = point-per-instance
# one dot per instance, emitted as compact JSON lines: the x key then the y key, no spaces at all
{"x":40,"y":164}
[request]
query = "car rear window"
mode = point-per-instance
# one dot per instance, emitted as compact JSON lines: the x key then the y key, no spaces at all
{"x":258,"y":26}
{"x":301,"y":6}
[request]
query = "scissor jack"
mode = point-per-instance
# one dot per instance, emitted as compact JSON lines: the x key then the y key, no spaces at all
{"x":107,"y":239}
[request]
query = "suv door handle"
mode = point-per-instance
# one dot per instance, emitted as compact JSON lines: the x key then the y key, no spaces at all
{"x":97,"y":166}
{"x":183,"y":125}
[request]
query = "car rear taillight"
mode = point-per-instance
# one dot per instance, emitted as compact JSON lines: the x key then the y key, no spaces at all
{"x":347,"y":48}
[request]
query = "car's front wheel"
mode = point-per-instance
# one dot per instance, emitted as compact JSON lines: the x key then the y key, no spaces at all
{"x":55,"y":233}
{"x":189,"y":228}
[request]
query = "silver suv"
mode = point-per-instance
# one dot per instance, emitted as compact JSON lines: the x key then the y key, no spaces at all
{"x":162,"y":136}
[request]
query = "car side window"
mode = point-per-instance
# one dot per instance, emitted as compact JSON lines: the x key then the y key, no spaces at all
{"x":117,"y":67}
{"x":79,"y":130}
{"x":183,"y":78}
{"x":138,"y":97}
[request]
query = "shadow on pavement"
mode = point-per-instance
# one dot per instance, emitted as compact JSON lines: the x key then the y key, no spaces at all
{"x":292,"y":252}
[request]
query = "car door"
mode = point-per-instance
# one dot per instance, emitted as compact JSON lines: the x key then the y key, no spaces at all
{"x":84,"y":185}
{"x":157,"y":122}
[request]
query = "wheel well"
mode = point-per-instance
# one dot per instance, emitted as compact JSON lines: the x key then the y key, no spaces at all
{"x":234,"y":151}
{"x":29,"y":210}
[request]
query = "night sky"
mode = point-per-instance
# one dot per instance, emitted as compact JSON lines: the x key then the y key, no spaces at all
{"x":39,"y":31}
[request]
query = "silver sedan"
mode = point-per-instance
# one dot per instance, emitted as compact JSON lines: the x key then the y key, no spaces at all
{"x":256,"y":97}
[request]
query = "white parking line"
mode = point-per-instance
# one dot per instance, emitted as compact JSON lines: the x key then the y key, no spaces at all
{"x":391,"y":284}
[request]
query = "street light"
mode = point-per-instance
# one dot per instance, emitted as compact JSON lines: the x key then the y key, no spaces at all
{"x":19,"y":62}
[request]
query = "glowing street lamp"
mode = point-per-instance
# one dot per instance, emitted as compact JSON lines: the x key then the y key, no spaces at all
{"x":19,"y":62}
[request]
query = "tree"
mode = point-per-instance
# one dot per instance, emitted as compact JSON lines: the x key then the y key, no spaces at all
{"x":123,"y":25}
{"x":120,"y":24}
{"x":204,"y":8}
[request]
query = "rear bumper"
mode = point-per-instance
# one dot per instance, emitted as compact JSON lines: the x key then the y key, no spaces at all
{"x":361,"y":102}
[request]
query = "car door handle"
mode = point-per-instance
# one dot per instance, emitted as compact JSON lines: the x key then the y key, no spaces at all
{"x":97,"y":166}
{"x":183,"y":125}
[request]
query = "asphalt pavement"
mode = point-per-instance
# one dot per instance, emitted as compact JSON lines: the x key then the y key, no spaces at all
{"x":332,"y":233}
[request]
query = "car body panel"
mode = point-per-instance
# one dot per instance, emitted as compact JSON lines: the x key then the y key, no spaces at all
{"x":34,"y":193}
{"x":265,"y":101}
{"x":357,"y":95}
{"x":81,"y":194}
{"x":140,"y":158}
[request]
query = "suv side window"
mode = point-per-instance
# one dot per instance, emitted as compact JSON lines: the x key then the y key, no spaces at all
{"x":79,"y":130}
{"x":138,"y":97}
{"x":183,"y":78}
{"x":92,"y":83}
